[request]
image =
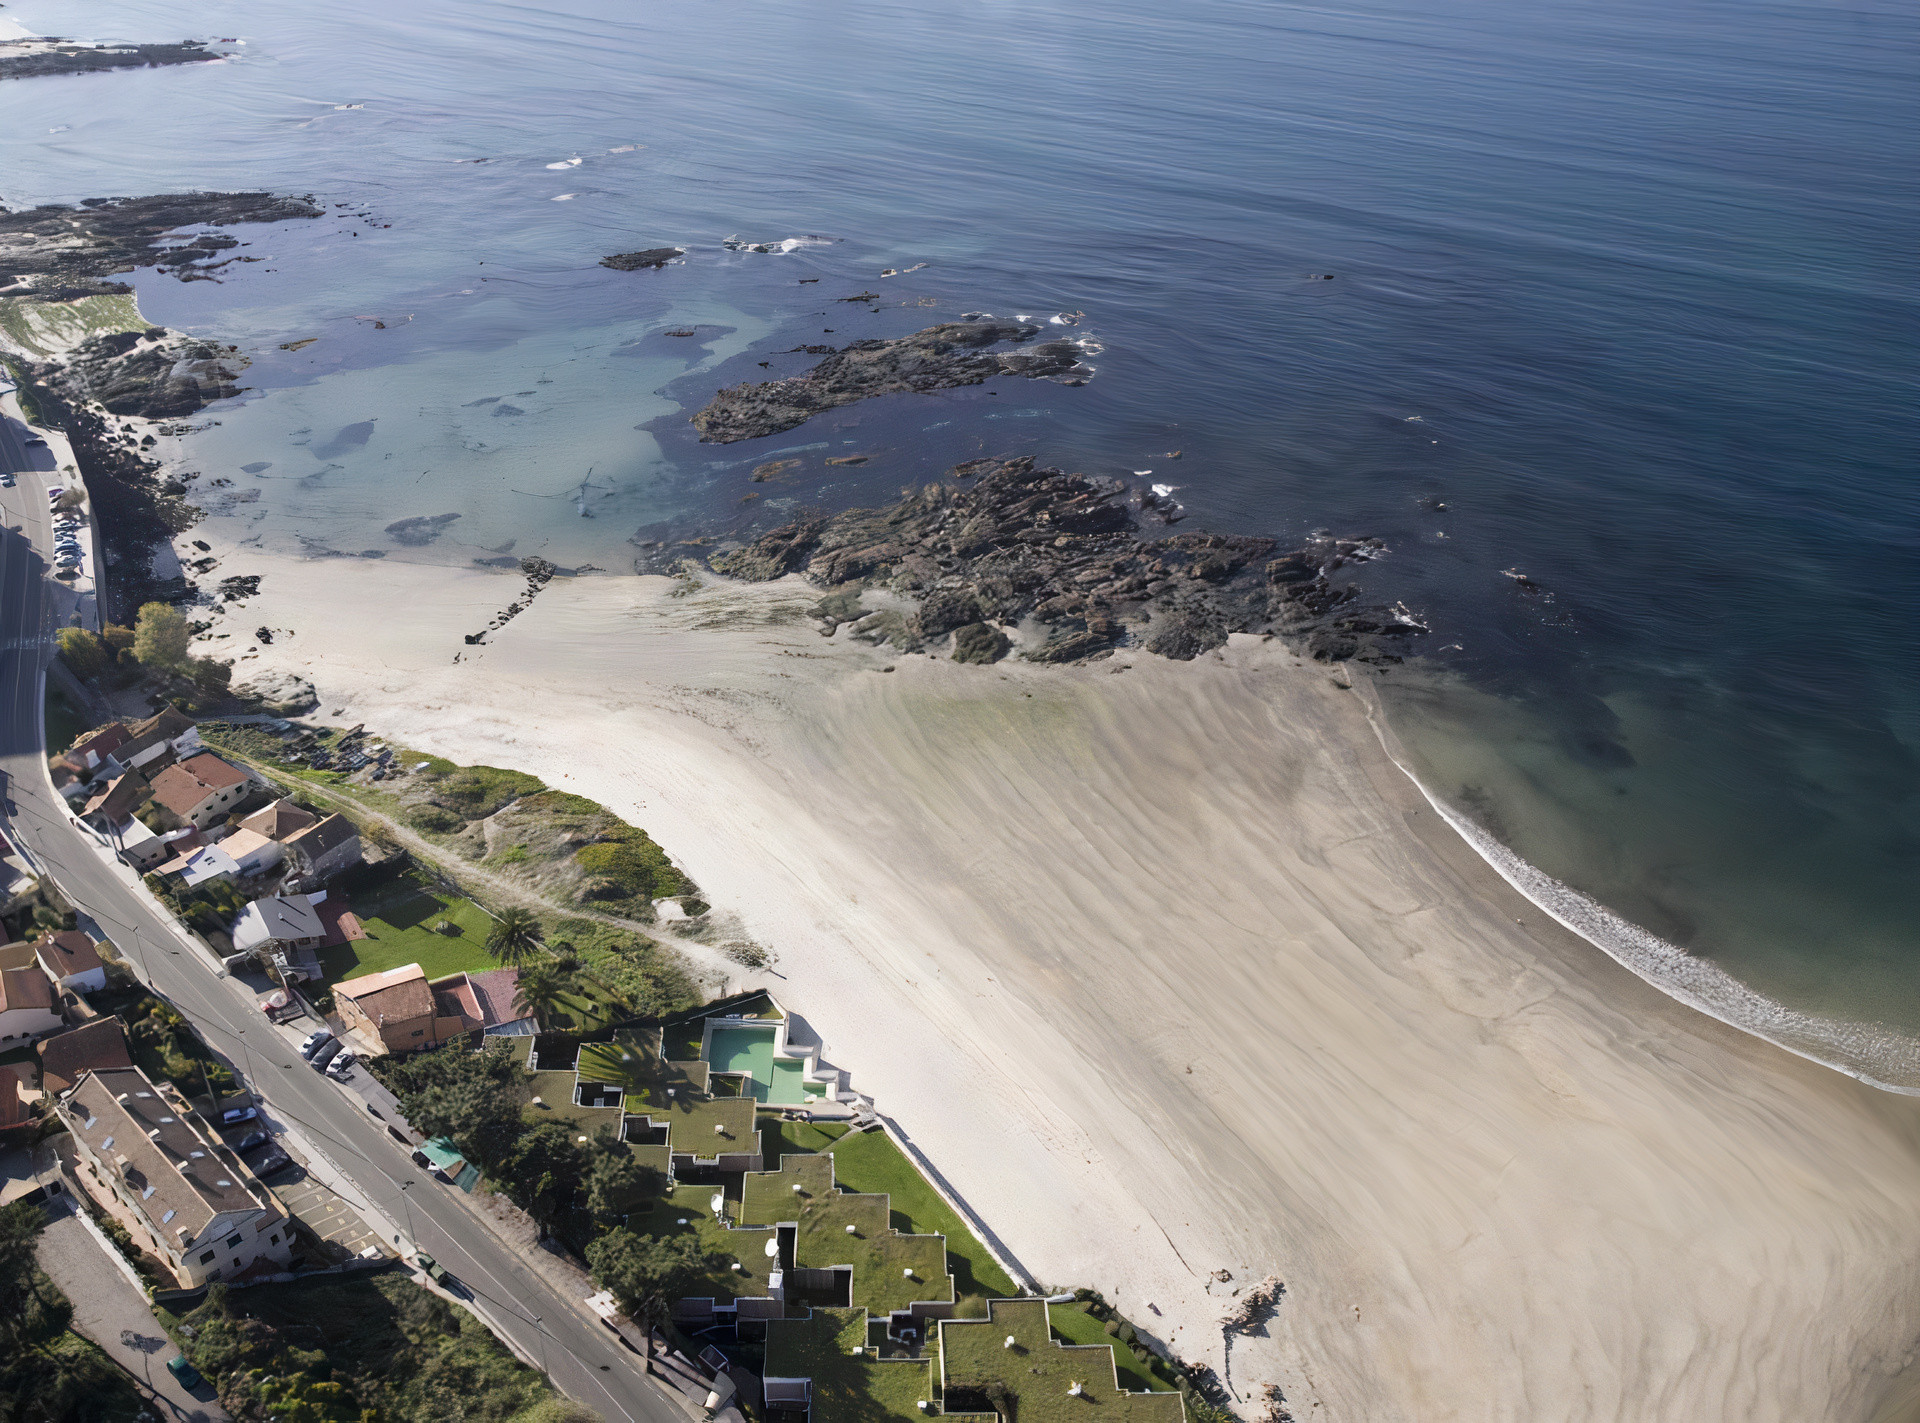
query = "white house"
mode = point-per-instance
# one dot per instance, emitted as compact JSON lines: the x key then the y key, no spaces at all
{"x":27,"y":1005}
{"x":70,"y":960}
{"x":287,"y":922}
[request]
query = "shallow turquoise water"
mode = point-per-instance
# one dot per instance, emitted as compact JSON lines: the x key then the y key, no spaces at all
{"x":1630,"y":289}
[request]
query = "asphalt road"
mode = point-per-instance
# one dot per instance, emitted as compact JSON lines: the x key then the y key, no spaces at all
{"x":579,"y":1354}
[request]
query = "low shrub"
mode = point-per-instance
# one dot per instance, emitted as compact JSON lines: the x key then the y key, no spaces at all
{"x":434,"y":819}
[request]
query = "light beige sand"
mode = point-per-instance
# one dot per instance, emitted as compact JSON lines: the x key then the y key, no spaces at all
{"x":1168,"y":971}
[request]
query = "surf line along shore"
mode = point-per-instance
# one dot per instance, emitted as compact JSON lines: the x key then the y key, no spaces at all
{"x":1169,"y":971}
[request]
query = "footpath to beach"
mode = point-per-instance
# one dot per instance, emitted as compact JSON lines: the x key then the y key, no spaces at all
{"x":1169,"y":971}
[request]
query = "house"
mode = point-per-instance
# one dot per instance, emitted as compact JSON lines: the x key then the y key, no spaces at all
{"x":201,"y":789}
{"x":396,"y":1009}
{"x":29,"y":1007}
{"x":88,"y":753}
{"x":153,"y":743}
{"x":253,"y":852}
{"x":65,"y":1057}
{"x":139,"y":845}
{"x":325,"y":848}
{"x":199,"y":1207}
{"x":70,"y":960}
{"x":124,"y":794}
{"x":283,"y":922}
{"x":480,"y":1003}
{"x":279,"y":820}
{"x":203,"y":866}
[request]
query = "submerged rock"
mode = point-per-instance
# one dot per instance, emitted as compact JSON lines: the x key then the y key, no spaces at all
{"x":635,"y":261}
{"x":41,"y":57}
{"x":938,"y":358}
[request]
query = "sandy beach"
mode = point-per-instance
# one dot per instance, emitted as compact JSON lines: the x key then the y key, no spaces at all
{"x":1170,"y":971}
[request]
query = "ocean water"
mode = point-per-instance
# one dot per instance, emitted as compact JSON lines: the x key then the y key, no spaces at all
{"x":1620,"y":296}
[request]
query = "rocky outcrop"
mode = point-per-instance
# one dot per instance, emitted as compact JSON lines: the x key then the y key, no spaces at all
{"x":1006,"y":542}
{"x":56,"y":253}
{"x":156,"y":374}
{"x":38,"y":58}
{"x":635,"y":261}
{"x":939,"y":358}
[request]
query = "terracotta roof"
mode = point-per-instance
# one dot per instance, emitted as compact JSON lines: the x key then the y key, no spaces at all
{"x":14,"y":1111}
{"x":317,"y":840}
{"x":184,"y":785}
{"x":63,"y":1057}
{"x":279,"y":820}
{"x":498,"y":990}
{"x":69,"y":952}
{"x":101,"y":740}
{"x":121,"y":797}
{"x":25,"y":988}
{"x":244,"y":842}
{"x":397,"y":996}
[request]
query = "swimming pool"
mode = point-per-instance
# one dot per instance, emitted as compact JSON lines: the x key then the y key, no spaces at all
{"x":780,"y":1081}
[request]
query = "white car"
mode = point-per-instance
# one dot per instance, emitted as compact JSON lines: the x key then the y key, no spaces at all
{"x":341,"y":1065}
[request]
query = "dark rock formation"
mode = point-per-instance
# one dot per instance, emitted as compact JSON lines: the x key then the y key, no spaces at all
{"x":634,"y":261}
{"x":56,"y":253}
{"x":938,"y":358}
{"x":38,"y":58}
{"x":420,"y":530}
{"x":1008,"y":542}
{"x":157,"y":374}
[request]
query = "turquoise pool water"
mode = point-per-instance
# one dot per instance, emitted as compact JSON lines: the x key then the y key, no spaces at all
{"x":779,"y":1081}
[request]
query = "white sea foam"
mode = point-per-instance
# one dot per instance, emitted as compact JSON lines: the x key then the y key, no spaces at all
{"x":566,"y":197}
{"x":627,"y":148}
{"x":566,"y":163}
{"x":737,"y":243}
{"x":1876,"y":1055}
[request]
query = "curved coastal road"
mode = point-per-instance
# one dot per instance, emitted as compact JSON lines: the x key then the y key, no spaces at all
{"x":581,"y":1356}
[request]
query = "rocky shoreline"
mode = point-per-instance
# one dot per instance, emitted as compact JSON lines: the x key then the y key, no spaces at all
{"x":100,"y":388}
{"x":49,"y":55}
{"x":938,"y":358}
{"x":1009,"y":553}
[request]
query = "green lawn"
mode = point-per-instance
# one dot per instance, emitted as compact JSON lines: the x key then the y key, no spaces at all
{"x":1073,"y":1325}
{"x":798,"y":1138}
{"x":869,"y":1161}
{"x":1039,"y":1373}
{"x":64,"y":723}
{"x":396,"y":918}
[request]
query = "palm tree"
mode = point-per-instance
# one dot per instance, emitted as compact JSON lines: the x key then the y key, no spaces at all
{"x":539,"y":989}
{"x":515,"y":937}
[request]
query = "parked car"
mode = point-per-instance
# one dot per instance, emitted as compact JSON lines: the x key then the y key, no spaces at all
{"x":314,"y":1039}
{"x":33,"y":440}
{"x":6,"y":480}
{"x":233,"y":1116}
{"x":341,"y":1066}
{"x":434,"y":1270}
{"x":271,"y":1160}
{"x":188,"y":1375}
{"x":328,"y":1050}
{"x":251,"y":1140}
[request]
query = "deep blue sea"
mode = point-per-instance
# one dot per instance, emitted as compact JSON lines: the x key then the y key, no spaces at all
{"x":1629,"y":289}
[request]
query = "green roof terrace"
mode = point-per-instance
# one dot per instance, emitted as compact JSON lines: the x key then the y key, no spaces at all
{"x":837,"y":1228}
{"x":721,"y":1283}
{"x":632,"y":1063}
{"x":848,"y":1386}
{"x":1035,"y":1377}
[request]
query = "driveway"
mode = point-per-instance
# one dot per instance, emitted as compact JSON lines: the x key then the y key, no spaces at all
{"x":112,"y":1313}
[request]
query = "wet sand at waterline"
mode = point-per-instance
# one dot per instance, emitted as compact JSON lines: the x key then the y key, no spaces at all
{"x":1169,"y":970}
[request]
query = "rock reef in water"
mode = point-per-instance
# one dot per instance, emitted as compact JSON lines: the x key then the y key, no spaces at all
{"x":1011,"y":543}
{"x":634,"y":261}
{"x":939,"y":358}
{"x":57,"y":253}
{"x":156,"y":374}
{"x":39,"y":58}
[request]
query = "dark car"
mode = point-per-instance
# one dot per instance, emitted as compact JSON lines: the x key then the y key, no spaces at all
{"x":252,"y":1140}
{"x":326,"y":1052}
{"x":314,"y":1040}
{"x":188,"y":1375}
{"x":271,"y":1160}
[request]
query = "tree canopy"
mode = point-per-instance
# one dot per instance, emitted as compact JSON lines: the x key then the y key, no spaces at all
{"x":643,"y":1268}
{"x":618,"y":1184}
{"x":515,"y":936}
{"x":161,"y":636}
{"x":474,"y":1098}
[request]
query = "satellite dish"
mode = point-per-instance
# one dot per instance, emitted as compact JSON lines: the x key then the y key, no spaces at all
{"x":773,"y":1247}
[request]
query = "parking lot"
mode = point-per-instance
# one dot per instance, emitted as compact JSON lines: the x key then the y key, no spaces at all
{"x":323,"y":1212}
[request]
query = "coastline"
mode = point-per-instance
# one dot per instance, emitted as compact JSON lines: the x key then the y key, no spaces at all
{"x":1111,"y":946}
